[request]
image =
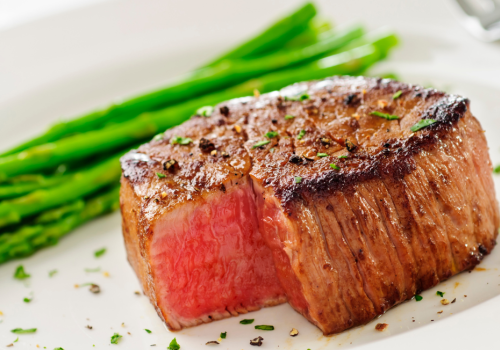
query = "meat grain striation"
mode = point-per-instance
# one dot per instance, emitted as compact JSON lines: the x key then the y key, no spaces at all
{"x":306,"y":195}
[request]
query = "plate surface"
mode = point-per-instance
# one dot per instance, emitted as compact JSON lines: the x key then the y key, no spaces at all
{"x":134,"y":50}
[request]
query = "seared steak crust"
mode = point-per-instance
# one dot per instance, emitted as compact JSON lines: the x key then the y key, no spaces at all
{"x":359,"y":212}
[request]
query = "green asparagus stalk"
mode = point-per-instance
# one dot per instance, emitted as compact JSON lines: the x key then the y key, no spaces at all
{"x":22,"y":188}
{"x":29,"y":239}
{"x":194,"y":84}
{"x":274,"y":37}
{"x":56,"y":214}
{"x":120,"y":135}
{"x":82,"y":184}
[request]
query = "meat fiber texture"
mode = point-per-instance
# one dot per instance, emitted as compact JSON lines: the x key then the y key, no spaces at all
{"x":343,"y":213}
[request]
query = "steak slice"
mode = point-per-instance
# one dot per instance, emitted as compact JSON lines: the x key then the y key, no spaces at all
{"x":305,"y":195}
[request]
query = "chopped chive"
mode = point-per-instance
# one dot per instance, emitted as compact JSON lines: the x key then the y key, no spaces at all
{"x":15,"y":341}
{"x":384,"y":115}
{"x":147,"y":330}
{"x":441,"y":294}
{"x":205,"y":111}
{"x":304,"y":97}
{"x":27,"y":300}
{"x":265,"y":327}
{"x":397,"y":94}
{"x":301,"y":134}
{"x":496,"y":170}
{"x":341,"y":157}
{"x":20,"y":274}
{"x":223,"y":335}
{"x":174,"y":345}
{"x":158,"y":137}
{"x":271,"y":134}
{"x":298,"y":179}
{"x":115,"y":338}
{"x":321,"y":155}
{"x":334,"y":166}
{"x":260,"y":143}
{"x":418,"y":297}
{"x":422,"y":124}
{"x":100,"y":252}
{"x":179,"y":140}
{"x":52,"y":273}
{"x":23,"y":331}
{"x":160,"y":175}
{"x":289,"y":116}
{"x":247,"y":321}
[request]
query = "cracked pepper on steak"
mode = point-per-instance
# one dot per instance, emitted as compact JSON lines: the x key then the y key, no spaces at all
{"x":227,"y":227}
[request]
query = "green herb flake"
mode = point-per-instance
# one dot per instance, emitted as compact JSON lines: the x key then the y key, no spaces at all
{"x":52,"y":273}
{"x":160,"y":175}
{"x":58,"y":349}
{"x":422,"y":124}
{"x":418,"y":297}
{"x":271,"y":134}
{"x":397,"y":95}
{"x":205,"y":111}
{"x":298,"y":179}
{"x":322,"y":155}
{"x":223,"y":335}
{"x":15,"y":341}
{"x":289,"y":116}
{"x":97,"y":269}
{"x":27,"y":300}
{"x":496,"y":170}
{"x":247,"y":321}
{"x":301,"y":134}
{"x":304,"y":97}
{"x":115,"y":338}
{"x":20,"y":274}
{"x":343,"y":157}
{"x":23,"y":331}
{"x":100,"y":252}
{"x":147,"y":330}
{"x":260,"y":144}
{"x":334,"y":166}
{"x":441,"y":294}
{"x":384,"y":115}
{"x":174,"y":345}
{"x":265,"y":327}
{"x":179,"y":140}
{"x":158,"y":137}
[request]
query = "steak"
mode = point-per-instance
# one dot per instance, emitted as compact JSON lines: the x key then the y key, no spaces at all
{"x":305,"y":195}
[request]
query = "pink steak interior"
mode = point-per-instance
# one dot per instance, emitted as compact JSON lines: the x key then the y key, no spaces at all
{"x":209,"y":261}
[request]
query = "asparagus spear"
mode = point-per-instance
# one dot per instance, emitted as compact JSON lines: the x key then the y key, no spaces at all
{"x":19,"y":189}
{"x":149,"y":124}
{"x":193,"y":84}
{"x":273,"y":37}
{"x":56,"y":214}
{"x":82,"y":184}
{"x":28,"y":239}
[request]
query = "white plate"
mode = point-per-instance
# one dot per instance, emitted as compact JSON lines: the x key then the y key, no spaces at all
{"x":129,"y":48}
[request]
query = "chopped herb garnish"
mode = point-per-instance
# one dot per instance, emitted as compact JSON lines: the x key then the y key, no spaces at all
{"x":97,"y":269}
{"x":205,"y":111}
{"x":441,"y":294}
{"x":298,"y":179}
{"x":147,"y":330}
{"x":496,"y":170}
{"x":52,"y":273}
{"x":384,"y":115}
{"x":397,"y":94}
{"x":247,"y":321}
{"x":160,"y":175}
{"x":422,"y":124}
{"x":179,"y":140}
{"x":20,"y":274}
{"x":304,"y":97}
{"x":58,"y":348}
{"x":334,"y":166}
{"x":174,"y":345}
{"x":27,"y":300}
{"x":271,"y":134}
{"x":264,"y":327}
{"x":418,"y":297}
{"x":223,"y":335}
{"x":115,"y":338}
{"x":301,"y":134}
{"x":158,"y":137}
{"x":15,"y":341}
{"x":288,"y":117}
{"x":23,"y":331}
{"x":342,"y":157}
{"x":260,"y":143}
{"x":100,"y":252}
{"x":321,"y":155}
